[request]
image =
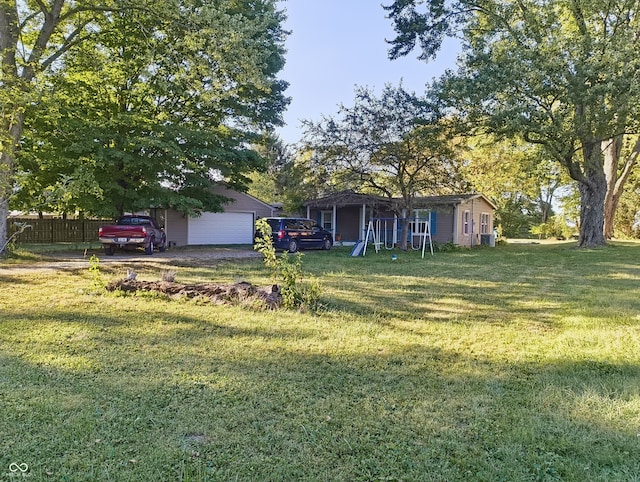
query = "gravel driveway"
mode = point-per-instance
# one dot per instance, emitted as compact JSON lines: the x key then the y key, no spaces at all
{"x":73,"y":260}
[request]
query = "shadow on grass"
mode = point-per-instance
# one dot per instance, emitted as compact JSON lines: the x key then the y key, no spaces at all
{"x":164,"y":396}
{"x":215,"y":403}
{"x":542,"y":283}
{"x":10,"y":279}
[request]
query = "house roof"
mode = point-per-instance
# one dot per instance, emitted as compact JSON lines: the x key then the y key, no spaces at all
{"x":451,"y":200}
{"x":351,"y":198}
{"x":229,"y":192}
{"x":347,"y":197}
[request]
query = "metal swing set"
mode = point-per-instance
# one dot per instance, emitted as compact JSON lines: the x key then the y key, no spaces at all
{"x":383,"y":236}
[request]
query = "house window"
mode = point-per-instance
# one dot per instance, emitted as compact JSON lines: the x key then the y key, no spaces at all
{"x":326,"y":220}
{"x":484,"y":223}
{"x":466,"y":221}
{"x":418,"y":221}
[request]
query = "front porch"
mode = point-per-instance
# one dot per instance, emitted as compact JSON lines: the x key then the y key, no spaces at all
{"x":463,"y":219}
{"x":346,"y":214}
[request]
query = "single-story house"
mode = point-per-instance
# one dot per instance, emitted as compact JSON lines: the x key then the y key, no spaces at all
{"x":464,"y":219}
{"x":235,"y":225}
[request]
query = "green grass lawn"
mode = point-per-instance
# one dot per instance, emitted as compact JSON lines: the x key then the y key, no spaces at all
{"x":520,"y":362}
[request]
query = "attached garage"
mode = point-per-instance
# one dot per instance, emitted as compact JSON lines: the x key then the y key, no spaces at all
{"x":221,"y":228}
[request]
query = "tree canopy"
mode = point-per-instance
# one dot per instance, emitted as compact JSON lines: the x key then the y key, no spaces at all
{"x":126,"y":104}
{"x":392,"y":145}
{"x":517,"y":177}
{"x":559,"y":73}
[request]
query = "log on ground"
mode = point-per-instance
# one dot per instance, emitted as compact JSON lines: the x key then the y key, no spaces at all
{"x":241,"y":292}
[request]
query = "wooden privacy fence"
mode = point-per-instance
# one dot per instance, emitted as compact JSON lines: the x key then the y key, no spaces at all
{"x":56,"y":230}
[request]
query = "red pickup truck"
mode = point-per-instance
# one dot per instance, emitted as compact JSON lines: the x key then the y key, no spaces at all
{"x":133,"y":232}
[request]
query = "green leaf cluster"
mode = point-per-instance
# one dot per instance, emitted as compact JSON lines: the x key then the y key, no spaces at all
{"x":164,"y":101}
{"x":286,"y":179}
{"x":519,"y":177}
{"x":564,"y":75}
{"x":296,"y":291}
{"x":394,"y":145}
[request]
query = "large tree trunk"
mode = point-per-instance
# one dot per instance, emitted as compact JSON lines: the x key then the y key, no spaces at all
{"x":13,"y":127}
{"x":615,"y":182}
{"x":404,"y":212}
{"x":611,"y":150}
{"x":7,"y":176}
{"x":404,"y":233}
{"x":18,"y":81}
{"x":593,"y":189}
{"x":592,"y":214}
{"x":4,"y":214}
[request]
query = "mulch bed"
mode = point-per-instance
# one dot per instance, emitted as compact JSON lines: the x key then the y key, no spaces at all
{"x":237,"y":293}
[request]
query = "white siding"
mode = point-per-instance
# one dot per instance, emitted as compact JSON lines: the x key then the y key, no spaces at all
{"x":221,"y":228}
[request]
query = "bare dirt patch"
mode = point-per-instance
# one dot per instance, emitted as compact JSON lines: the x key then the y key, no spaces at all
{"x":77,"y":260}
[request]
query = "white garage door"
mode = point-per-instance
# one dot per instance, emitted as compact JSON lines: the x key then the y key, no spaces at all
{"x":221,"y":228}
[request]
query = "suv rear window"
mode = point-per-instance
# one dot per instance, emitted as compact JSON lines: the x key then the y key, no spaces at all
{"x":274,"y":223}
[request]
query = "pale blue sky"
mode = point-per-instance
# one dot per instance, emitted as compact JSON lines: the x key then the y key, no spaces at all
{"x":336,"y":45}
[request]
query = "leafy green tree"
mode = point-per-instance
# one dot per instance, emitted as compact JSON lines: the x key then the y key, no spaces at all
{"x":560,"y":73}
{"x":287,"y":179}
{"x":393,"y":145}
{"x":264,"y":183}
{"x":123,"y":104}
{"x":308,"y":180}
{"x":518,"y":177}
{"x":35,"y":36}
{"x":554,"y":227}
{"x":287,"y":273}
{"x":569,"y":201}
{"x":627,"y":224}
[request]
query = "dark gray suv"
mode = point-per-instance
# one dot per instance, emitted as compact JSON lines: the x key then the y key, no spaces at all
{"x":292,"y":234}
